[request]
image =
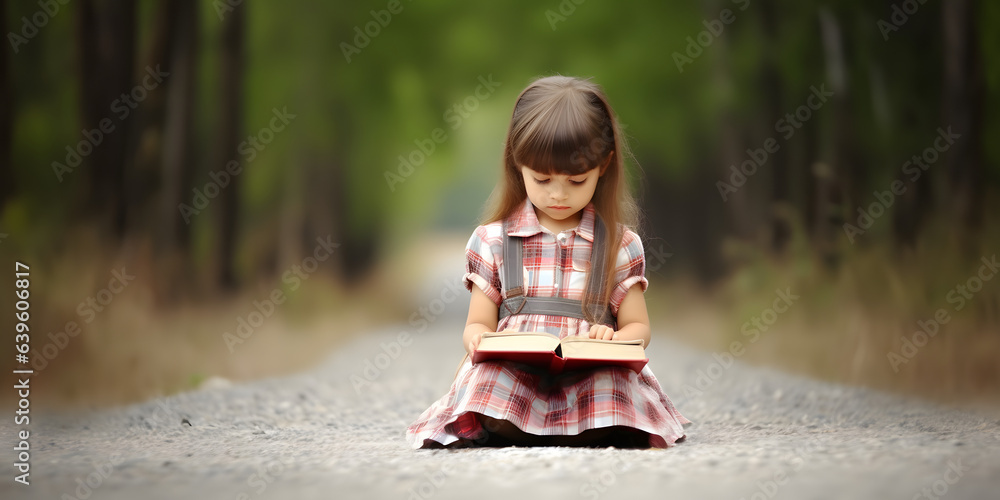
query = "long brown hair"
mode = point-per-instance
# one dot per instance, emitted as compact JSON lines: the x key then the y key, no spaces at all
{"x":565,"y":125}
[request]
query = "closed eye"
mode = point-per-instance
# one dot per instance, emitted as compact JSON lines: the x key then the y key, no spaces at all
{"x":576,"y":182}
{"x":541,"y":181}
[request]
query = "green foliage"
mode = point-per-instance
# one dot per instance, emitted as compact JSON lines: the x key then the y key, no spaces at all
{"x":358,"y":117}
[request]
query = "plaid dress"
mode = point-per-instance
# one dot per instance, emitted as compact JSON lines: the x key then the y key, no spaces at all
{"x":554,"y":265}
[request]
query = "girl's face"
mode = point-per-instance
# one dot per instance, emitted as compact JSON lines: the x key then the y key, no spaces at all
{"x":559,"y":198}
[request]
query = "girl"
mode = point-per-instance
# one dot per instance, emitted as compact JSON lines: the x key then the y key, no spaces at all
{"x":563,"y":203}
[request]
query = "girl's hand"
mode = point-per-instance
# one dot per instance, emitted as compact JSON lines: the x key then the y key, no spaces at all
{"x":603,"y":332}
{"x":473,"y":343}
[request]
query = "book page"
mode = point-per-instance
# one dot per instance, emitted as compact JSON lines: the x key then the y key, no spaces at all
{"x":576,"y":338}
{"x":518,"y":341}
{"x":603,"y":349}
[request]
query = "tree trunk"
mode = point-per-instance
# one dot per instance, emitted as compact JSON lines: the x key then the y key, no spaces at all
{"x":144,"y":177}
{"x":106,"y":38}
{"x":6,"y":114}
{"x":178,"y":141}
{"x":912,"y":208}
{"x":962,"y":110}
{"x":358,"y":248}
{"x":740,"y":214}
{"x":230,"y":129}
{"x":836,"y":180}
{"x":164,"y":172}
{"x":771,"y":81}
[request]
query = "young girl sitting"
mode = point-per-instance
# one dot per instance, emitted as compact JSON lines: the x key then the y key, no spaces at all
{"x":563,"y":201}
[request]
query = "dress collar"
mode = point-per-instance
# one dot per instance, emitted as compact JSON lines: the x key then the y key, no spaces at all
{"x":525,"y":223}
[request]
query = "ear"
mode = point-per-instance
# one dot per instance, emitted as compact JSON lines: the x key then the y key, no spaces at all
{"x":607,"y":162}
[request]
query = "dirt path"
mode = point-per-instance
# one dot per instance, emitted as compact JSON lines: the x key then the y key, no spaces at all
{"x":757,"y":434}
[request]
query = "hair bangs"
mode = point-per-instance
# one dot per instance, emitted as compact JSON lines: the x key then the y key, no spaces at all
{"x":563,"y":135}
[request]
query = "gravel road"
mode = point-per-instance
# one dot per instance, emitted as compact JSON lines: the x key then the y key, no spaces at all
{"x":757,"y":434}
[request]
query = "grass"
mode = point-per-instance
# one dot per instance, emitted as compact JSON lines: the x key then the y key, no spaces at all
{"x":138,"y":346}
{"x":848,"y":320}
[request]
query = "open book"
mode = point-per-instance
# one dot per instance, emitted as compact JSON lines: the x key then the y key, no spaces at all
{"x":571,"y":353}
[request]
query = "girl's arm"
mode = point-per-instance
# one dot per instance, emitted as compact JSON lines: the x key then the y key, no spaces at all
{"x":482,"y":318}
{"x":633,"y":320}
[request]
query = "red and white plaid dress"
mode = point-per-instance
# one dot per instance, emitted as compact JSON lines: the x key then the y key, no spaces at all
{"x":538,"y":403}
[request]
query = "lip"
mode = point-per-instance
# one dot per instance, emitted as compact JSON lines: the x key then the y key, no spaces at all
{"x":558,"y":207}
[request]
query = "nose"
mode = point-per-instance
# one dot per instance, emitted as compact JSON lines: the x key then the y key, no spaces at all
{"x":558,"y":193}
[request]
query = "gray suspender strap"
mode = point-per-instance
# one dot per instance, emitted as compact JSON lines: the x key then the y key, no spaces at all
{"x":513,"y":277}
{"x":513,"y":281}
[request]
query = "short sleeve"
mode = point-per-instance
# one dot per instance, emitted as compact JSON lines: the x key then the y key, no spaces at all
{"x":481,"y":266}
{"x":630,"y":269}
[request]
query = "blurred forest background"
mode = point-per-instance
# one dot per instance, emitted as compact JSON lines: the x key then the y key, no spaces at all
{"x":208,"y":147}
